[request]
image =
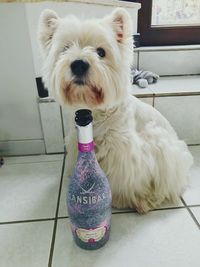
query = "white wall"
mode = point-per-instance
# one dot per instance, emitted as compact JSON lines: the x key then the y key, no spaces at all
{"x":81,"y":10}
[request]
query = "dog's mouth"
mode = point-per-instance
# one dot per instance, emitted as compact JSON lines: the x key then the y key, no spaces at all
{"x":79,"y":81}
{"x":80,"y":92}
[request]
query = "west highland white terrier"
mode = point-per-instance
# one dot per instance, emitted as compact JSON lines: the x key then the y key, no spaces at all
{"x":87,"y":65}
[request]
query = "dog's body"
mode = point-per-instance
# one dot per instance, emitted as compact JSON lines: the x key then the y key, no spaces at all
{"x":140,"y":153}
{"x":135,"y":145}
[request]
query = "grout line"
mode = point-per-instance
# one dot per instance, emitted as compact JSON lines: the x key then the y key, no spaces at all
{"x":54,"y":153}
{"x":159,"y":209}
{"x":178,"y":49}
{"x":154,"y":100}
{"x":40,"y":119}
{"x":147,"y":95}
{"x":63,"y":129}
{"x":138,"y":60}
{"x":56,"y":216}
{"x":124,"y":212}
{"x":62,"y":122}
{"x":32,"y":162}
{"x":176,"y":94}
{"x":63,"y":217}
{"x":134,"y":211}
{"x":115,"y":212}
{"x":194,"y":206}
{"x":193,"y":144}
{"x":178,"y":75}
{"x":34,"y":155}
{"x":21,"y":140}
{"x":165,"y":94}
{"x":27,"y":221}
{"x":169,"y":208}
{"x":190,"y":212}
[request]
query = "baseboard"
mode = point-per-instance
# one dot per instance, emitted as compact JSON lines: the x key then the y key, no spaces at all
{"x":22,"y":147}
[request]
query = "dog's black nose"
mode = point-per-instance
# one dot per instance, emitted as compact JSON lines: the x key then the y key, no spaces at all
{"x":79,"y":67}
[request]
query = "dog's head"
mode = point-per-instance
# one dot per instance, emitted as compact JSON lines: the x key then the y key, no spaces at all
{"x":86,"y":63}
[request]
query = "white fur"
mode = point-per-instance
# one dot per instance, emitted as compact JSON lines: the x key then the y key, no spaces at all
{"x":144,"y":160}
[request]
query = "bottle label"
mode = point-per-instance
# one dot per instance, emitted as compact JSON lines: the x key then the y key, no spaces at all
{"x":90,"y":235}
{"x":86,"y":199}
{"x":86,"y":147}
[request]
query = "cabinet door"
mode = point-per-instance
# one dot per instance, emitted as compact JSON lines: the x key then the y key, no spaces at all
{"x":19,"y":112}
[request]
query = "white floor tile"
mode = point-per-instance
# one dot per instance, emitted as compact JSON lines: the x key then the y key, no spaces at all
{"x":25,"y":244}
{"x":156,"y":239}
{"x":196,"y":212}
{"x":192,"y":194}
{"x":29,"y":191}
{"x":31,"y":159}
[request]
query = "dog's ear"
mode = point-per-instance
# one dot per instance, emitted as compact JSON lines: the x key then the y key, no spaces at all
{"x":48,"y":23}
{"x":121,"y":23}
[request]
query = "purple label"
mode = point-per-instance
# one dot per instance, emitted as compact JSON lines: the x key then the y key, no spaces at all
{"x":86,"y":147}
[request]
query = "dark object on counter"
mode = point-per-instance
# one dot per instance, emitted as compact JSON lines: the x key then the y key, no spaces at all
{"x":1,"y":161}
{"x":42,"y":91}
{"x":136,"y":39}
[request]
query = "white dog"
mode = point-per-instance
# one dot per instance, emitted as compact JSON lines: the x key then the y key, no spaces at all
{"x":87,"y":65}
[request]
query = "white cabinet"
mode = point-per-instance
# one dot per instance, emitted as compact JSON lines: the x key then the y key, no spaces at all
{"x":19,"y":113}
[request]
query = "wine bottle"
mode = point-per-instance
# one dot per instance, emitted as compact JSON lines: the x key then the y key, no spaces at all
{"x":89,"y":195}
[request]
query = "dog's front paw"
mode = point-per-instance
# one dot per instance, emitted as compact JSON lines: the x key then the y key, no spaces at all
{"x":142,"y":206}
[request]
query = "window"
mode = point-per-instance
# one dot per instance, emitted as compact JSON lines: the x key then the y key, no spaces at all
{"x":175,"y":13}
{"x":169,"y":22}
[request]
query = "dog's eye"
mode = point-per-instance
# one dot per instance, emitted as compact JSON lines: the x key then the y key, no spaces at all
{"x":101,"y":52}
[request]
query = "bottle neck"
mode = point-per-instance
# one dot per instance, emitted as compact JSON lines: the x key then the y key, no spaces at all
{"x":85,"y":138}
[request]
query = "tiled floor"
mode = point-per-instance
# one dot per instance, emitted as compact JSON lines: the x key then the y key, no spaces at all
{"x":34,"y":227}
